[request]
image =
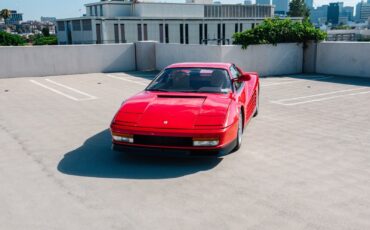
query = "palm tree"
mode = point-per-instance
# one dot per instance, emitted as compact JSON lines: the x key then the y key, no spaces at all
{"x":5,"y":14}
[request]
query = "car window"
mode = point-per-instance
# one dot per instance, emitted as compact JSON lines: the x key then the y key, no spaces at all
{"x":235,"y":74}
{"x":198,"y":80}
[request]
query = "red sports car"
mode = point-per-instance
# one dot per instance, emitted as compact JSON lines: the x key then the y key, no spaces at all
{"x":188,"y":109}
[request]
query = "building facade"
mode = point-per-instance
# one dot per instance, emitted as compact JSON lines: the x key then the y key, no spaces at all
{"x":348,"y":12}
{"x":362,"y":11}
{"x":333,"y":13}
{"x":187,"y":23}
{"x":48,"y":19}
{"x":319,"y":16}
{"x":309,"y":4}
{"x":247,"y":2}
{"x":15,"y":18}
{"x":281,"y":6}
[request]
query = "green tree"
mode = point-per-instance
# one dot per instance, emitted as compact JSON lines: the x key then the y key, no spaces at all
{"x":298,"y":8}
{"x":273,"y":31}
{"x":45,"y":31}
{"x":7,"y":39}
{"x":41,"y":40}
{"x":5,"y":14}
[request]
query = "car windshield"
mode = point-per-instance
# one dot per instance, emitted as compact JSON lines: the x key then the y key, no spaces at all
{"x":197,"y":80}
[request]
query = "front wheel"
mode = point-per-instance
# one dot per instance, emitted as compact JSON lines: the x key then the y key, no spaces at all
{"x":240,"y":132}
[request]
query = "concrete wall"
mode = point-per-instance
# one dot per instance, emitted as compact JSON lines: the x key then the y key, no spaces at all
{"x":265,"y":59}
{"x":336,"y":58}
{"x":309,"y":58}
{"x":59,"y":60}
{"x":343,"y":58}
{"x":145,"y":55}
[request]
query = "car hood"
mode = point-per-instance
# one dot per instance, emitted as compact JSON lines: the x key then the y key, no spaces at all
{"x":174,"y":110}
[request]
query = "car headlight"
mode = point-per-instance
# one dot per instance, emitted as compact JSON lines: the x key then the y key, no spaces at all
{"x":120,"y":137}
{"x":205,"y":142}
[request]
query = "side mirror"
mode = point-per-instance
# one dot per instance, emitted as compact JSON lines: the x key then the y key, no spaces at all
{"x":243,"y":77}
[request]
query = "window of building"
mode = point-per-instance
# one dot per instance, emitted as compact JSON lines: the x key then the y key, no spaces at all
{"x":145,"y":32}
{"x":241,"y":27}
{"x":252,"y":25}
{"x":98,"y":34}
{"x":96,"y":10}
{"x":76,"y":25}
{"x":139,"y":33}
{"x":91,"y":11}
{"x":86,"y":25}
{"x":161,"y":39}
{"x":186,"y":33}
{"x":123,"y":33}
{"x":236,"y":28}
{"x":223,"y":34}
{"x":116,"y":33}
{"x":182,"y":33}
{"x":200,"y":33}
{"x":61,"y":26}
{"x":101,"y":11}
{"x":206,"y":33}
{"x":166,"y":33}
{"x":218,"y":34}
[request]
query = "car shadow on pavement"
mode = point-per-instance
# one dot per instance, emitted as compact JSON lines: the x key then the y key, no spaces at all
{"x":96,"y":159}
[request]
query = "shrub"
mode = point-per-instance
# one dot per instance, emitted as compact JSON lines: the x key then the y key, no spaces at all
{"x":41,"y":40}
{"x":7,"y":39}
{"x":273,"y":31}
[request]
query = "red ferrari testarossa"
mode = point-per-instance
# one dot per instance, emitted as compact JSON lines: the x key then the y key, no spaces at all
{"x":188,"y":109}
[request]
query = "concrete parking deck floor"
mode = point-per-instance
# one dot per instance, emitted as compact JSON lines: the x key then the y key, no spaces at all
{"x":304,"y":163}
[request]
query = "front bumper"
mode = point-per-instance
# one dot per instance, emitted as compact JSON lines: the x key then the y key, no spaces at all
{"x":170,"y":152}
{"x":227,"y":137}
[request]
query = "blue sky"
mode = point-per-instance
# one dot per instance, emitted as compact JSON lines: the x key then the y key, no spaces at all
{"x":34,"y":9}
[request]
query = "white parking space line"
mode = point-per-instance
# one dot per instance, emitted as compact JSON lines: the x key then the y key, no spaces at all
{"x":284,"y":101}
{"x":90,"y":97}
{"x":125,"y":79}
{"x":294,"y":81}
{"x":322,"y":94}
{"x":54,"y":90}
{"x":72,"y":89}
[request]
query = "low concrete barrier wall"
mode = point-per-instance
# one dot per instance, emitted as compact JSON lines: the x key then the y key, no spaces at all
{"x":286,"y":58}
{"x":36,"y":61}
{"x":343,"y":58}
{"x":337,"y":58}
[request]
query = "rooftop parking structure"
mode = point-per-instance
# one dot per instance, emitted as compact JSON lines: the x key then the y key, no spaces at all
{"x":304,"y":162}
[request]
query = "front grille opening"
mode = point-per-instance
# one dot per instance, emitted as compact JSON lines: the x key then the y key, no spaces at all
{"x":163,"y":141}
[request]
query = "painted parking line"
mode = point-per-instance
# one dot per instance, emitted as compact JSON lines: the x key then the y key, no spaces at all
{"x":319,"y":97}
{"x":125,"y":79}
{"x":295,"y":81}
{"x":89,"y":97}
{"x":323,"y":94}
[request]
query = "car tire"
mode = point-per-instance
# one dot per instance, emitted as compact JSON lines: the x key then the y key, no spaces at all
{"x":239,"y":132}
{"x":257,"y":104}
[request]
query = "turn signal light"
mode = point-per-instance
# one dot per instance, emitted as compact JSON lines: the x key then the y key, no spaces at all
{"x":128,"y":138}
{"x":205,"y":142}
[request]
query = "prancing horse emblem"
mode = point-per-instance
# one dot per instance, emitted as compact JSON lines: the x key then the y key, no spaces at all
{"x":165,"y":122}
